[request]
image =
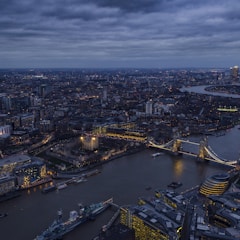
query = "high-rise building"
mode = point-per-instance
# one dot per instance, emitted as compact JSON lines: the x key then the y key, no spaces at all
{"x":44,"y":89}
{"x":6,"y":101}
{"x":234,"y":72}
{"x":149,"y":107}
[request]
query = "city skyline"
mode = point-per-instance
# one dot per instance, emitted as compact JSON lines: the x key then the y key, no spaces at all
{"x":104,"y":33}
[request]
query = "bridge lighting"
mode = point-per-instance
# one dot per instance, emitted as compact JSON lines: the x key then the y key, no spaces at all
{"x":205,"y":151}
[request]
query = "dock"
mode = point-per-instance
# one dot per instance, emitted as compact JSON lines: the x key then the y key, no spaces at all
{"x":111,"y":221}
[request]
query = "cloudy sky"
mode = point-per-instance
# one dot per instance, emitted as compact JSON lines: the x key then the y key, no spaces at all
{"x":119,"y":33}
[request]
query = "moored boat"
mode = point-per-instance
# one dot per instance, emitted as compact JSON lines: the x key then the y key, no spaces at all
{"x":79,"y":179}
{"x":175,"y":185}
{"x":61,"y":186}
{"x":157,"y":154}
{"x":49,"y":189}
{"x":59,"y":228}
{"x":91,"y":173}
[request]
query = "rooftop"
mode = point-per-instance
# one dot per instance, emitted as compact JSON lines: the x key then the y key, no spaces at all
{"x":14,"y":159}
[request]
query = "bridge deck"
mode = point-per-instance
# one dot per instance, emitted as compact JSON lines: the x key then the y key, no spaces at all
{"x":211,"y":156}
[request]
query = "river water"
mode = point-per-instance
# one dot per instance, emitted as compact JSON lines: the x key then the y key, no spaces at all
{"x":125,"y":179}
{"x":201,"y":89}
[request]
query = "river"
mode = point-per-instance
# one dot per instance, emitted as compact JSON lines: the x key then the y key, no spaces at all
{"x":201,"y":89}
{"x":125,"y":179}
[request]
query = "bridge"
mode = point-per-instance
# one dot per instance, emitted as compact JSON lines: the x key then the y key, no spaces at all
{"x":127,"y":132}
{"x":205,"y":152}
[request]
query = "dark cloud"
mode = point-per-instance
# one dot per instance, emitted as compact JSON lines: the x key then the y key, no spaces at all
{"x":131,"y":6}
{"x":86,"y":12}
{"x":115,"y":32}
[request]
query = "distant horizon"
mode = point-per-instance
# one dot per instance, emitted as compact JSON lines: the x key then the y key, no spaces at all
{"x":111,"y":68}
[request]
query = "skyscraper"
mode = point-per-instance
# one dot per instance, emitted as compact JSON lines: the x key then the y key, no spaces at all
{"x":234,"y":72}
{"x":149,"y":107}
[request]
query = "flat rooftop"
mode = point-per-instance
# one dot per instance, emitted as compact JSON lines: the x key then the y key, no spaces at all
{"x":14,"y":159}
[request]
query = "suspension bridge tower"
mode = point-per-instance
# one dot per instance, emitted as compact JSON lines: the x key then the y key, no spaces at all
{"x":177,"y":143}
{"x":202,"y":149}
